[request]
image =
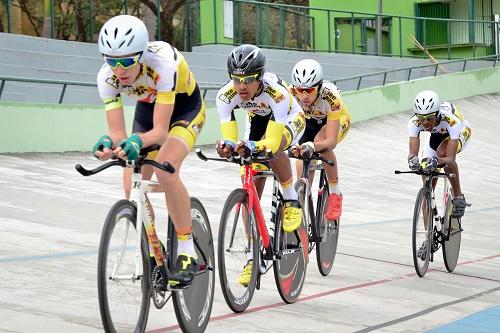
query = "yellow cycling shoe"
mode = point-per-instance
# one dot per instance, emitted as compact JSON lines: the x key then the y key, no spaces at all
{"x":246,"y":274}
{"x":293,"y":215}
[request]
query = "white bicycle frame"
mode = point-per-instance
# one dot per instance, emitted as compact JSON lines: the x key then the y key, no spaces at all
{"x":138,"y":193}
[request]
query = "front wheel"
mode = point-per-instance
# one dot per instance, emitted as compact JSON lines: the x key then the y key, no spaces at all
{"x":193,"y":305}
{"x":293,"y":255}
{"x":123,"y":294}
{"x":329,"y":233}
{"x":452,"y":232}
{"x":422,"y":231}
{"x":238,"y":243}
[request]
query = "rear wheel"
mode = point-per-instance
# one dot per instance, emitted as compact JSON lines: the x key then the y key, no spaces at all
{"x":422,"y":232}
{"x":193,"y":305}
{"x":290,"y":269}
{"x":123,"y":295}
{"x":329,"y":233}
{"x":453,"y":235}
{"x":237,"y":243}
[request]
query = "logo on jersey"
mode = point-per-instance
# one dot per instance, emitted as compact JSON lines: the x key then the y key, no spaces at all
{"x":331,"y":99}
{"x":276,"y":95}
{"x":112,"y":100}
{"x":228,"y":95}
{"x":151,"y":73}
{"x":113,"y":81}
{"x":450,"y":120}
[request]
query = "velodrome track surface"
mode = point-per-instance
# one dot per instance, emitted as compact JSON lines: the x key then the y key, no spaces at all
{"x":51,"y":219}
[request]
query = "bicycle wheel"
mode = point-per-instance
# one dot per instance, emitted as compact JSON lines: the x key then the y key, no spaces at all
{"x":234,"y":248}
{"x":290,"y":269}
{"x":453,"y":236}
{"x":422,"y":232}
{"x":123,"y":296}
{"x":300,"y":187}
{"x":329,"y":233}
{"x":193,"y":305}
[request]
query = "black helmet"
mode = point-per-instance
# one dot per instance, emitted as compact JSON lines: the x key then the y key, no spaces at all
{"x":246,"y":59}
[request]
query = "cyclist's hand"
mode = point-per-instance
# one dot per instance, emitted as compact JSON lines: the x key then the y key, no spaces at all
{"x":225,"y":148}
{"x":130,"y":148}
{"x":245,"y":148}
{"x":414,"y":163}
{"x":102,"y":149}
{"x":429,"y":164}
{"x":307,"y":149}
{"x":294,"y":151}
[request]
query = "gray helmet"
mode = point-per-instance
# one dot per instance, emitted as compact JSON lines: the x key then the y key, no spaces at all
{"x":246,"y":59}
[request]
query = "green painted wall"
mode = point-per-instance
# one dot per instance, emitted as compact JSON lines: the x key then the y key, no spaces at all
{"x":389,"y":7}
{"x":209,"y":25}
{"x":55,"y":128}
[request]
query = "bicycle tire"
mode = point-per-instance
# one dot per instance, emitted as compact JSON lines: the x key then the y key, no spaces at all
{"x":326,"y":250}
{"x":123,"y":213}
{"x":300,"y":187}
{"x":291,"y":267}
{"x":232,"y":248}
{"x":193,"y":305}
{"x":453,"y":236}
{"x":421,"y":265}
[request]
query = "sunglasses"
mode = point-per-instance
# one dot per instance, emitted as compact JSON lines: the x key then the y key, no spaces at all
{"x":244,"y":79}
{"x":125,"y":63}
{"x":309,"y":91}
{"x":429,"y":116}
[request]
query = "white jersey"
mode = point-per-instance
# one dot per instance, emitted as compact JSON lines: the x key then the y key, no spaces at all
{"x":451,"y":122}
{"x":328,"y":104}
{"x":164,"y":71}
{"x":275,"y":98}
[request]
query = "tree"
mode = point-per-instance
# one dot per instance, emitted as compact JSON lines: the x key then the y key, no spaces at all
{"x":168,"y":8}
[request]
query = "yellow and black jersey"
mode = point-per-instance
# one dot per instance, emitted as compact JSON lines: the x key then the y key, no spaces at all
{"x":328,"y":104}
{"x":164,"y":73}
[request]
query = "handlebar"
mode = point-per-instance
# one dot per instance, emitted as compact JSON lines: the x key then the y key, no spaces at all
{"x":142,"y":160}
{"x":431,"y":173}
{"x":237,"y":159}
{"x":315,"y":156}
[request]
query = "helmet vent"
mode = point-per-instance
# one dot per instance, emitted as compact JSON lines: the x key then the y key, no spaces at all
{"x":121,"y":44}
{"x":129,"y":31}
{"x":116,"y":32}
{"x":130,"y":41}
{"x":105,"y":32}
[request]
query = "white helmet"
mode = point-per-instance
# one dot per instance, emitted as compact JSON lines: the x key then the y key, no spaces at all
{"x":123,"y":35}
{"x":426,"y":102}
{"x":307,"y":73}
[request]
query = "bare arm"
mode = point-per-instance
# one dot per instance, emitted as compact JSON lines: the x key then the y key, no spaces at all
{"x":329,"y":141}
{"x":414,"y":146}
{"x":116,"y":125}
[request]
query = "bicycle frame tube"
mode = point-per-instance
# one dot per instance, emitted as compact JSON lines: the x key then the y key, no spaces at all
{"x":137,"y":196}
{"x":253,"y":203}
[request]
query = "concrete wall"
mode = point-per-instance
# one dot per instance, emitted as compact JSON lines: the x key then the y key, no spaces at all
{"x":55,"y":128}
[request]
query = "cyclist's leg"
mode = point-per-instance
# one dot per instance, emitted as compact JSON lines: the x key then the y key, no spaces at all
{"x":186,"y":122}
{"x":282,"y":168}
{"x":313,"y":126}
{"x":334,"y":207}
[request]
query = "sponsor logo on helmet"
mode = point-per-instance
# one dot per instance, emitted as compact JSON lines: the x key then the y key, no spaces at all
{"x":239,"y":71}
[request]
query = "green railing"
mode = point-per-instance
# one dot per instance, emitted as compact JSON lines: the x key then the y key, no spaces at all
{"x":270,"y":25}
{"x":434,"y":69}
{"x":65,"y":84}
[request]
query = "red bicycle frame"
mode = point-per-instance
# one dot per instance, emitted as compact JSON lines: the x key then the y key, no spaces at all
{"x":254,"y":204}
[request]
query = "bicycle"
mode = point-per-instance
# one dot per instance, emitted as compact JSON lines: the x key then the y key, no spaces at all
{"x":432,"y":229}
{"x":323,"y":233}
{"x":126,"y":280}
{"x":242,"y":223}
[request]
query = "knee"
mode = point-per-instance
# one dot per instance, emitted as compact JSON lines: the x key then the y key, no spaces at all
{"x":167,"y":179}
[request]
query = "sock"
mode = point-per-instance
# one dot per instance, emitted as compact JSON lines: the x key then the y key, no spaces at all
{"x":334,"y":188}
{"x":289,"y":192}
{"x":185,"y":245}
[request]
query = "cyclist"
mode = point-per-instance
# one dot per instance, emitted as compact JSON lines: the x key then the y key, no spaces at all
{"x":449,"y":135}
{"x":275,"y":121}
{"x":169,"y":112}
{"x":327,"y":123}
